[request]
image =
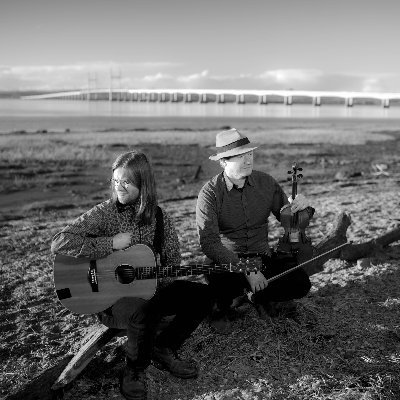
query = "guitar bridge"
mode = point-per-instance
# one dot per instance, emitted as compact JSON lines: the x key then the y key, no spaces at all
{"x":92,"y":276}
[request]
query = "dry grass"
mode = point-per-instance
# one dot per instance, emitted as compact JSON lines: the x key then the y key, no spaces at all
{"x":344,"y":345}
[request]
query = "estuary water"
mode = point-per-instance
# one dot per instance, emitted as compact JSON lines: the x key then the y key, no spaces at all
{"x":295,"y":121}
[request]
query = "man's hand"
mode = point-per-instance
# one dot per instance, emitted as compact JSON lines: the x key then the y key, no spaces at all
{"x":257,"y":281}
{"x":122,"y":240}
{"x":299,"y":203}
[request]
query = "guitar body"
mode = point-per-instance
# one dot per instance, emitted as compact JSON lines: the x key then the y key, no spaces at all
{"x":87,"y":286}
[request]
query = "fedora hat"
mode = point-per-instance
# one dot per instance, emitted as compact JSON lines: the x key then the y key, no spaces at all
{"x":231,"y":143}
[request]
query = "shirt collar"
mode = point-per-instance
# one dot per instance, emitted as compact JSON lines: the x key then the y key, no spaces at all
{"x":229,"y":183}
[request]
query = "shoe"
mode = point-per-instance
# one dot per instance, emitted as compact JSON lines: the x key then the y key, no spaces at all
{"x":274,"y":309}
{"x":133,"y":384}
{"x":220,"y":323}
{"x":288,"y":309}
{"x":264,"y":311}
{"x":166,"y":359}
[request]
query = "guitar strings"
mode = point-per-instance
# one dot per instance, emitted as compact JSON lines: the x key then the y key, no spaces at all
{"x":168,"y":271}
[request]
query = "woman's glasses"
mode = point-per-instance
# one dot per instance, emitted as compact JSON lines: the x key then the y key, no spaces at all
{"x":123,"y":183}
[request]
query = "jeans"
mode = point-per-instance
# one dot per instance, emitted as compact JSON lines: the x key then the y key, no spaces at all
{"x":188,"y":302}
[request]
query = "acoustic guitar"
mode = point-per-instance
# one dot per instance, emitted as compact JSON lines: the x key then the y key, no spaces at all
{"x":86,"y":286}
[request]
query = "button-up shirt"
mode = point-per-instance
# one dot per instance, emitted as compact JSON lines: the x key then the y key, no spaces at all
{"x":233,"y":220}
{"x":91,"y":234}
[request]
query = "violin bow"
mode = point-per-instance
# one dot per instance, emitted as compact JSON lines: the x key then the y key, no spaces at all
{"x":307,"y":262}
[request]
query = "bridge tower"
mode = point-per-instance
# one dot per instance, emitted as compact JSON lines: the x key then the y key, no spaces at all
{"x":92,"y":86}
{"x":113,"y":76}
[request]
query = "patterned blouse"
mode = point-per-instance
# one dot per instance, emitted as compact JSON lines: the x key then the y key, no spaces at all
{"x":91,"y":234}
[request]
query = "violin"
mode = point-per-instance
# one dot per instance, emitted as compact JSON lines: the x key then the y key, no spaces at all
{"x":294,"y":240}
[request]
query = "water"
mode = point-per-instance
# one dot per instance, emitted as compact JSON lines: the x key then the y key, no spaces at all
{"x":318,"y":123}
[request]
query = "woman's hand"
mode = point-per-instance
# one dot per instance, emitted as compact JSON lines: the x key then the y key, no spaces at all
{"x":122,"y":240}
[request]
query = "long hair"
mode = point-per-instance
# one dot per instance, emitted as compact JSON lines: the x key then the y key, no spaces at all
{"x":141,"y":175}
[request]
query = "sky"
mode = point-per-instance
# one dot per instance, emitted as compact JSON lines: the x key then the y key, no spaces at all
{"x":340,"y":45}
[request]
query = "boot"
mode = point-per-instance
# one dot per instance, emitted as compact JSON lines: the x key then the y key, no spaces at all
{"x":133,"y":383}
{"x":220,"y":323}
{"x":165,"y":358}
{"x":274,"y":309}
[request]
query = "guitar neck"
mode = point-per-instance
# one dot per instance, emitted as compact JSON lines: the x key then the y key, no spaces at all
{"x":173,"y":271}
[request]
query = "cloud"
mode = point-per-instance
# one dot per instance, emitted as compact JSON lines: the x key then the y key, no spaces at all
{"x":74,"y":76}
{"x":155,"y":75}
{"x":193,"y":77}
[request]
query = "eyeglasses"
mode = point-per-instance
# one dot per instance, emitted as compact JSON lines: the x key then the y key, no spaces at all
{"x":124,"y":183}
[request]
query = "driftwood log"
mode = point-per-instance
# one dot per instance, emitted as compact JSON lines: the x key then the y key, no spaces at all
{"x":352,"y":252}
{"x":39,"y":387}
{"x":94,"y":341}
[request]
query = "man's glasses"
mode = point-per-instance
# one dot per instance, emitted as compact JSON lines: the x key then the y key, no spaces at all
{"x":124,"y":183}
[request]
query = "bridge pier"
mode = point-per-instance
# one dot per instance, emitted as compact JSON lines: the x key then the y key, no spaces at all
{"x":288,"y":100}
{"x":188,"y":97}
{"x":221,"y":98}
{"x":262,"y":99}
{"x":240,"y":99}
{"x":317,"y":101}
{"x":174,"y":97}
{"x":143,"y":97}
{"x":203,"y":98}
{"x":349,"y":102}
{"x":385,"y":103}
{"x":162,"y":97}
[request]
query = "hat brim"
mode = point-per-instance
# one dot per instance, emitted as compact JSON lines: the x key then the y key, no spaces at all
{"x":233,"y":152}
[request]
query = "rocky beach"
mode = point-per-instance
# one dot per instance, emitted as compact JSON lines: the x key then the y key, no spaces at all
{"x":344,"y":345}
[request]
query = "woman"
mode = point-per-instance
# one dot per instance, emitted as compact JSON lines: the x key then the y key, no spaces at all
{"x":126,"y":219}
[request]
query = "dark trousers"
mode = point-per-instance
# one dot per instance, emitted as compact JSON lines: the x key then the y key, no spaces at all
{"x":189,"y":302}
{"x":295,"y":285}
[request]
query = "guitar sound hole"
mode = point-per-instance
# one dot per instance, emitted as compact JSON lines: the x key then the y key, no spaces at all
{"x":125,"y":273}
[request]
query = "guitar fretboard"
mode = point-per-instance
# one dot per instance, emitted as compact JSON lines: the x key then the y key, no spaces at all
{"x":186,"y":270}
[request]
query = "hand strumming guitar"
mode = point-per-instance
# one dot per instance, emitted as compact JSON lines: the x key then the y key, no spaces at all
{"x":122,"y":240}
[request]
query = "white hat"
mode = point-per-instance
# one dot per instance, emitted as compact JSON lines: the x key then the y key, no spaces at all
{"x":231,"y":143}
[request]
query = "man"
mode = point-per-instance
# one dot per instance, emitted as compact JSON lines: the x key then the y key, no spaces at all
{"x":232,"y":222}
{"x":130,"y":217}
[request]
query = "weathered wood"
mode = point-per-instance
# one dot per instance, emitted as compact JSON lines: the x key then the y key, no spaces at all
{"x":40,"y":387}
{"x":334,"y":238}
{"x":95,"y":340}
{"x":362,"y":250}
{"x":352,"y":252}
